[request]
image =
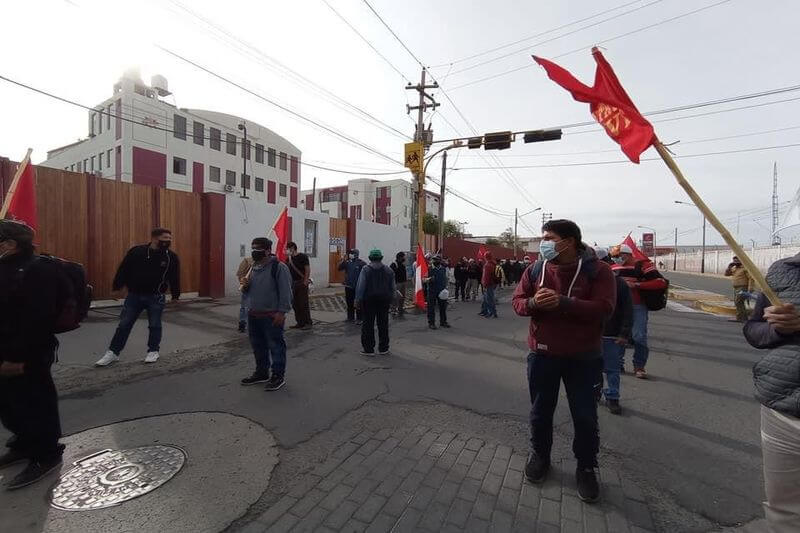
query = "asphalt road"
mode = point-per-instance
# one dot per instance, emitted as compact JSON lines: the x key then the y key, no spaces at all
{"x":689,"y":435}
{"x":697,"y":281}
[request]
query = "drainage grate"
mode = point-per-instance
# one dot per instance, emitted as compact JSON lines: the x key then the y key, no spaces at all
{"x":111,"y":477}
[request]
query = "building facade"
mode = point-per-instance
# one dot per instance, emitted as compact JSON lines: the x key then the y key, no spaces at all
{"x":384,"y":202}
{"x":136,"y":136}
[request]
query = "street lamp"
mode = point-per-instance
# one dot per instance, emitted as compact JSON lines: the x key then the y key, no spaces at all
{"x":516,"y":220}
{"x":703,"y":253}
{"x":421,"y":194}
{"x":655,"y":244}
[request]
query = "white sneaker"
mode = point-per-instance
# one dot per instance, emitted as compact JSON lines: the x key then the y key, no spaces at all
{"x":107,"y":359}
{"x":152,"y":357}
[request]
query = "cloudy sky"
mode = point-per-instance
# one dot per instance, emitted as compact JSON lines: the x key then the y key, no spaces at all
{"x":306,"y":55}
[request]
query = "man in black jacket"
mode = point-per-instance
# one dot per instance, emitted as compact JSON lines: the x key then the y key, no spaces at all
{"x":461,"y":273}
{"x":148,"y":270}
{"x":616,"y":335}
{"x":400,"y":281}
{"x":29,"y":300}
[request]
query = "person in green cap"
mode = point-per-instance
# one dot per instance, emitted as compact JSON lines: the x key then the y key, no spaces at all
{"x":375,"y":291}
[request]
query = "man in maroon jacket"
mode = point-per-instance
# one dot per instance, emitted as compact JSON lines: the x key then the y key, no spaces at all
{"x":568,"y":295}
{"x":489,"y":281}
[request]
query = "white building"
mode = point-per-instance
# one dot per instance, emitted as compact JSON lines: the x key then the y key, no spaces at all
{"x":384,"y":202}
{"x":136,"y":136}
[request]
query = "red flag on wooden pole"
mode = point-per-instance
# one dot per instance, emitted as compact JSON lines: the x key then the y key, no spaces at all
{"x":281,"y":230}
{"x":20,"y":200}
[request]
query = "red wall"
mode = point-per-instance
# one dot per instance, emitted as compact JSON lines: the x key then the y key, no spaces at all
{"x":212,"y":264}
{"x":149,"y":167}
{"x":457,"y":248}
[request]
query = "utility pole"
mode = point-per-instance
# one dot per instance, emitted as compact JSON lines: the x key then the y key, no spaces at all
{"x":420,"y":137}
{"x":675,"y":255}
{"x":546,"y":217}
{"x":703,"y":254}
{"x":313,"y":196}
{"x":441,"y":204}
{"x":243,"y":127}
{"x":776,"y":239}
{"x":516,"y":220}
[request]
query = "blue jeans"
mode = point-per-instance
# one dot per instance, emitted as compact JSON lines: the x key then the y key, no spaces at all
{"x":489,"y":305}
{"x":269,"y":346}
{"x":131,"y":309}
{"x":640,"y":349}
{"x":243,"y":307}
{"x":582,"y":381}
{"x":612,"y":355}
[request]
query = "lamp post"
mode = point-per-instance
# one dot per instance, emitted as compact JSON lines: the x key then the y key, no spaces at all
{"x":421,"y":193}
{"x":516,"y":220}
{"x":655,"y":244}
{"x":703,"y":252}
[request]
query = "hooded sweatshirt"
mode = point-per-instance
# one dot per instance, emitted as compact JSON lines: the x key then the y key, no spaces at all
{"x":352,"y":268}
{"x":574,"y":328}
{"x":489,"y":279}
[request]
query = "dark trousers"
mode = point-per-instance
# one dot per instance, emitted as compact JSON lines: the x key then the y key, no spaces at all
{"x":461,"y":288}
{"x":302,"y":311}
{"x":29,"y":410}
{"x":582,"y":380}
{"x":269,"y":346}
{"x":433,"y":303}
{"x":131,"y":309}
{"x":375,"y":311}
{"x":350,"y":298}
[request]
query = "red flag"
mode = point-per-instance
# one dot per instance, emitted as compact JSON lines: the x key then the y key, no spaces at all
{"x":281,"y":229}
{"x":420,"y":272}
{"x":22,"y":204}
{"x":609,"y":104}
{"x":637,"y":253}
{"x":482,"y":251}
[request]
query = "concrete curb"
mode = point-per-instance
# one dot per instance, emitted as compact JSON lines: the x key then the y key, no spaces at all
{"x":716,"y":308}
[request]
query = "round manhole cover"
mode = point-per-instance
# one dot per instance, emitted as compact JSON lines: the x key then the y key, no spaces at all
{"x":111,"y":477}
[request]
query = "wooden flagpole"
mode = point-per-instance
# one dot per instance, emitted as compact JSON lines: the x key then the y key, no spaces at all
{"x":13,"y":187}
{"x":748,"y":264}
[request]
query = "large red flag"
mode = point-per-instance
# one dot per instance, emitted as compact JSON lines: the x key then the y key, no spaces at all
{"x":609,"y":104}
{"x":22,"y":204}
{"x":281,"y":229}
{"x":420,"y":273}
{"x":637,"y":253}
{"x":482,"y":251}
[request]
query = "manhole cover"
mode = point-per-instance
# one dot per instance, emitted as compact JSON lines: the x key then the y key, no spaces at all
{"x":111,"y":477}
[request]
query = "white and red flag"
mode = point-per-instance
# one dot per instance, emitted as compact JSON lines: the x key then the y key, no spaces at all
{"x":420,"y":272}
{"x":20,"y":201}
{"x":281,"y":230}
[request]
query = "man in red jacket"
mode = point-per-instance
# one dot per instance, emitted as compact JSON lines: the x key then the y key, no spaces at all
{"x":489,"y":281}
{"x":639,"y":275}
{"x":568,"y":295}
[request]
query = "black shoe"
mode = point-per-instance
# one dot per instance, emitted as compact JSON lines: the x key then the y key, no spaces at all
{"x":482,"y":314}
{"x":307,"y":327}
{"x":537,"y":468}
{"x":613,"y":406}
{"x":365,"y":353}
{"x":384,"y":352}
{"x":242,"y":326}
{"x":12,"y":457}
{"x":432,"y":326}
{"x":588,"y":487}
{"x":275,"y":383}
{"x":255,"y":378}
{"x":445,"y":325}
{"x":296,"y":326}
{"x":35,"y":471}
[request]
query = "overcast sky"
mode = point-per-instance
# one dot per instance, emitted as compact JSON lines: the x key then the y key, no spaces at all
{"x":78,"y":49}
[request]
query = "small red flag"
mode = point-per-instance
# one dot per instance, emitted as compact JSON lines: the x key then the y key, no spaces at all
{"x":637,"y":253}
{"x":281,"y":229}
{"x":482,"y":251}
{"x":22,"y":205}
{"x":420,"y":273}
{"x":609,"y":104}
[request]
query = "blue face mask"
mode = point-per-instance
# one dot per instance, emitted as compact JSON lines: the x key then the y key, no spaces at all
{"x":548,"y":250}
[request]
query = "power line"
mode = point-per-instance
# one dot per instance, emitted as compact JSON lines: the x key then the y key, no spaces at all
{"x":531,"y":37}
{"x":604,"y":41}
{"x":399,"y":40}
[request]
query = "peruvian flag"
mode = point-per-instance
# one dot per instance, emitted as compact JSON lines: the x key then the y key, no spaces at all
{"x":420,"y":273}
{"x":609,"y":104}
{"x":20,"y":202}
{"x":281,"y":230}
{"x":637,"y":253}
{"x":482,"y":251}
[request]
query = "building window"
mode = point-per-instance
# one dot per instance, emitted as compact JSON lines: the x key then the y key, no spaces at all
{"x":79,"y":166}
{"x":99,"y":121}
{"x":108,"y":118}
{"x":100,"y":161}
{"x":282,"y":190}
{"x":230,"y":177}
{"x":213,"y":174}
{"x":310,"y":238}
{"x":72,"y":167}
{"x":179,"y":165}
{"x":230,"y":143}
{"x":92,"y":118}
{"x":405,"y":211}
{"x":93,"y":160}
{"x":271,"y":157}
{"x":270,"y":192}
{"x":283,"y":160}
{"x":179,"y":127}
{"x":199,"y":133}
{"x":246,"y":149}
{"x":259,"y":153}
{"x":108,"y":158}
{"x":216,"y":139}
{"x":260,"y":184}
{"x":245,"y":181}
{"x":86,"y":165}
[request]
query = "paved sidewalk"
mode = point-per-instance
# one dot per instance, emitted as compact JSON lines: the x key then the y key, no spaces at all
{"x":424,"y":480}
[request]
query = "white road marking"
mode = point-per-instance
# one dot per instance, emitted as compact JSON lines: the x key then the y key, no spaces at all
{"x":675,"y":306}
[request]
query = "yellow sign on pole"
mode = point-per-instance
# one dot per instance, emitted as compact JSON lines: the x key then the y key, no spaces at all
{"x":414,"y":157}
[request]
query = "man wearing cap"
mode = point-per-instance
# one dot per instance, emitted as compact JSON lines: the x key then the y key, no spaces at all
{"x":639,"y":275}
{"x":375,"y":291}
{"x":351,"y":265}
{"x":28,"y":397}
{"x":437,"y":287}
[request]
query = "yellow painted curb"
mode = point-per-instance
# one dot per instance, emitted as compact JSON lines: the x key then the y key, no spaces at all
{"x":716,"y":308}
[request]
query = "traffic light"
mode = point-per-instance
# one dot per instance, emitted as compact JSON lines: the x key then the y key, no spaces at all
{"x":500,"y":140}
{"x":474,"y":142}
{"x":542,"y":135}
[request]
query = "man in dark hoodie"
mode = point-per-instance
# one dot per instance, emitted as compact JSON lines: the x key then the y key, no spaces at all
{"x":437,"y":282}
{"x":374,"y":293}
{"x":148,"y":271}
{"x":400,"y":270}
{"x":352,"y":266}
{"x":461,"y":274}
{"x":569,"y":296}
{"x":616,"y":335}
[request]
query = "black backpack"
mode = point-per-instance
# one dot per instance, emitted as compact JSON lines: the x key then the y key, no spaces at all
{"x":378,"y":285}
{"x":74,"y":292}
{"x":653,"y":299}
